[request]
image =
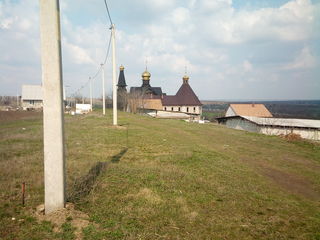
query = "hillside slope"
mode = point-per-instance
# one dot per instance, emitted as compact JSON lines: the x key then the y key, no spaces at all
{"x":167,"y":180}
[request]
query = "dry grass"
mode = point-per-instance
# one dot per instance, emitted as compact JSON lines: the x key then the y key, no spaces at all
{"x":170,"y":180}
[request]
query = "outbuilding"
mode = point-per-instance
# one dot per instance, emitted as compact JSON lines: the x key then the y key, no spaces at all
{"x":306,"y":128}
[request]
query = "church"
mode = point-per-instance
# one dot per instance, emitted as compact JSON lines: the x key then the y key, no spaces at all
{"x":148,"y":98}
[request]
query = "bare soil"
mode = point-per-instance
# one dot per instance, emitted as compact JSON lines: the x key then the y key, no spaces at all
{"x":6,"y":116}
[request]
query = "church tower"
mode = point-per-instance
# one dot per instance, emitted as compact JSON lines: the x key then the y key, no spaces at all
{"x":122,"y":86}
{"x":122,"y":90}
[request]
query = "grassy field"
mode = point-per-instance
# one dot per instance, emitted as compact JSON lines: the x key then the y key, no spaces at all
{"x":161,"y":179}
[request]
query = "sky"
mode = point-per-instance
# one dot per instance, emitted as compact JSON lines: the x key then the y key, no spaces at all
{"x":232,"y":49}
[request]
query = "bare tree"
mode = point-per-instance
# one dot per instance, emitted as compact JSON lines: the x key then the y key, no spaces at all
{"x":135,"y":101}
{"x":123,"y":100}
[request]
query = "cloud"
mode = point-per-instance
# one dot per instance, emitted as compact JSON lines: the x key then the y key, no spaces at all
{"x":303,"y":60}
{"x":291,"y":22}
{"x":247,"y":66}
{"x":77,"y":54}
{"x":222,"y":47}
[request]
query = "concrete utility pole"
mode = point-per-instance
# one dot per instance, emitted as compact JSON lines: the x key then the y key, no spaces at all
{"x":103,"y":91}
{"x":114,"y":77}
{"x":17,"y":100}
{"x":53,"y":120}
{"x":90,"y":81}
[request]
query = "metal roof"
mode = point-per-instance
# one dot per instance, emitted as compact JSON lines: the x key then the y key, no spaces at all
{"x":184,"y":97}
{"x":121,"y":80}
{"x":32,"y":92}
{"x":281,"y":122}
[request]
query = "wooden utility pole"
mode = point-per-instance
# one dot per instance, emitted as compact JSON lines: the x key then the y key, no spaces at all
{"x":103,"y":90}
{"x":114,"y":76}
{"x":53,"y":120}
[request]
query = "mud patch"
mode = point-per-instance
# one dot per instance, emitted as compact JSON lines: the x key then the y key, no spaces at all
{"x":18,"y":115}
{"x":291,"y":183}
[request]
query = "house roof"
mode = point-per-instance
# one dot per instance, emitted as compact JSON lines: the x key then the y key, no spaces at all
{"x":32,"y":92}
{"x":184,"y":97}
{"x":254,"y":110}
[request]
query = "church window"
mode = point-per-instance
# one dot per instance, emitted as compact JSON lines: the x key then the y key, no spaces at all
{"x":179,"y":109}
{"x":165,"y":108}
{"x":194,"y":109}
{"x":171,"y":108}
{"x":187,"y":109}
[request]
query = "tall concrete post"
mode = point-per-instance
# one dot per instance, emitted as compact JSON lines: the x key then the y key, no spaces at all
{"x":17,"y":100}
{"x":90,"y":81}
{"x":103,"y":91}
{"x":114,"y":76}
{"x":53,"y":120}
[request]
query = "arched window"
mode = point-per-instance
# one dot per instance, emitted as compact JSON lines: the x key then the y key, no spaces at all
{"x":165,"y":108}
{"x":171,"y":108}
{"x":187,"y":109}
{"x":179,"y":109}
{"x":194,"y":109}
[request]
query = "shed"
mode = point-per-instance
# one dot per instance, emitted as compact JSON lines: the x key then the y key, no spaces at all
{"x":306,"y":128}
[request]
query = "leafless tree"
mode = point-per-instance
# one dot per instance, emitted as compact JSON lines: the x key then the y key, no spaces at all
{"x":123,"y":100}
{"x":135,"y":101}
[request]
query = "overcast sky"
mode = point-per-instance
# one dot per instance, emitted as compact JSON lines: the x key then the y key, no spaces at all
{"x":233,"y":49}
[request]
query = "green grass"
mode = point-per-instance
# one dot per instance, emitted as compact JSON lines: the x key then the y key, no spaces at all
{"x":170,"y":180}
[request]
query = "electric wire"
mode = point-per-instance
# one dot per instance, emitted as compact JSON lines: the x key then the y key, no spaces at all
{"x":98,"y":71}
{"x":105,"y":59}
{"x":106,"y":4}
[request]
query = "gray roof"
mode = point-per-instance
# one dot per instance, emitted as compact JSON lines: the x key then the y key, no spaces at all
{"x":285,"y":122}
{"x":32,"y":92}
{"x":278,"y":122}
{"x":142,"y":90}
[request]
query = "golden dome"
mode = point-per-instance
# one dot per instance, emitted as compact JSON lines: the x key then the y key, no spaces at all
{"x":121,"y":68}
{"x":185,"y":78}
{"x":146,"y":75}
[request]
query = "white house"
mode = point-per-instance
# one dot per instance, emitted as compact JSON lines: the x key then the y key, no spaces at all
{"x":31,"y":97}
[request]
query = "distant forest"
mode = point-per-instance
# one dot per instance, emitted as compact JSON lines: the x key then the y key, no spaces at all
{"x":308,"y":109}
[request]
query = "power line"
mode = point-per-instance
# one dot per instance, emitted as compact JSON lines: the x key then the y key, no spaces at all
{"x":99,"y":70}
{"x":106,"y":57}
{"x":105,"y":2}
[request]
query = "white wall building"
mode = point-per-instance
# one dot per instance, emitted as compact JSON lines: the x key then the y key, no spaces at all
{"x":185,"y":101}
{"x":308,"y":129}
{"x":31,"y":97}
